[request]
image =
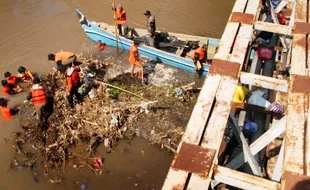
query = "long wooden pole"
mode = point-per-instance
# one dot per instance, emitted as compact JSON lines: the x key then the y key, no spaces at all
{"x":115,"y":25}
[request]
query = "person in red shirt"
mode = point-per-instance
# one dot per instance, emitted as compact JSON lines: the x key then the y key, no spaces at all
{"x":38,"y":96}
{"x":7,"y":113}
{"x":11,"y":79}
{"x":73,"y":84}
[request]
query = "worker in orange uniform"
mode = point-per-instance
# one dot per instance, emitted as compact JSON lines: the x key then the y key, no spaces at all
{"x":199,"y":57}
{"x":62,"y":58}
{"x":24,"y":74}
{"x":12,"y":80}
{"x":134,"y":60}
{"x":120,"y":17}
{"x":73,"y":84}
{"x":7,"y":113}
{"x":7,"y":88}
{"x":39,"y":97}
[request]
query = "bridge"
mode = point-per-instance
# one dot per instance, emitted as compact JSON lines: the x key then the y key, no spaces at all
{"x":199,"y":163}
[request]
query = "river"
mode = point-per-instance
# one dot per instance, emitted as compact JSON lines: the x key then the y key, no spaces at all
{"x":30,"y":29}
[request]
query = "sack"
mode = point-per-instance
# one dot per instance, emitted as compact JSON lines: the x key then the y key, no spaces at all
{"x":265,"y":53}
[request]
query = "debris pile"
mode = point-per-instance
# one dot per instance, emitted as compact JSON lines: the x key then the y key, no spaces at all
{"x":109,"y":112}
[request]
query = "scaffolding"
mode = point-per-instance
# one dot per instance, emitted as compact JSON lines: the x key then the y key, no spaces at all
{"x":196,"y":163}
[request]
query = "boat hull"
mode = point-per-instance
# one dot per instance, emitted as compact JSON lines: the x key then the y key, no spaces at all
{"x":97,"y":34}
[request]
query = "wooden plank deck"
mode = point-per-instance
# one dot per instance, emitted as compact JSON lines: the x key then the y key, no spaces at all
{"x":195,"y":164}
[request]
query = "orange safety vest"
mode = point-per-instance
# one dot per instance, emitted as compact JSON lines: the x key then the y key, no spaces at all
{"x":119,"y":18}
{"x":38,"y":95}
{"x":63,"y":56}
{"x":6,"y":113}
{"x":72,"y":77}
{"x":200,"y":52}
{"x":5,"y":90}
{"x":11,"y":80}
{"x":132,"y":55}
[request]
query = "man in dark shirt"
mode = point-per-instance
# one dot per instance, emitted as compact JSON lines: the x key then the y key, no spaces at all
{"x":151,"y":26}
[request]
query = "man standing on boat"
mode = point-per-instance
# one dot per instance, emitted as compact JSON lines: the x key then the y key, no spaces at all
{"x":151,"y":27}
{"x":120,"y":19}
{"x":199,"y":57}
{"x":134,"y":60}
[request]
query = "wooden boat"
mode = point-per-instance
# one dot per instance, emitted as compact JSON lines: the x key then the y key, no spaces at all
{"x":171,"y":55}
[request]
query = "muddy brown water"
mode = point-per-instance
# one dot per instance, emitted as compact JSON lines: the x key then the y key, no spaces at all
{"x":30,"y":29}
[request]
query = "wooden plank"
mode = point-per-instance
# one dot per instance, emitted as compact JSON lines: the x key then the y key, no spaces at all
{"x":277,"y":172}
{"x":177,"y":179}
{"x":242,"y":180}
{"x":281,"y":6}
{"x":195,"y":127}
{"x":249,"y":157}
{"x":264,"y":81}
{"x":260,"y":143}
{"x":308,"y":117}
{"x":276,"y":21}
{"x":230,"y":32}
{"x":215,"y":129}
{"x":274,"y":28}
{"x":216,"y":126}
{"x":294,"y":152}
{"x":298,"y":57}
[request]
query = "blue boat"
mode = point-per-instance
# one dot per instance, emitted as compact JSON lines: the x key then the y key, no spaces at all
{"x":100,"y":31}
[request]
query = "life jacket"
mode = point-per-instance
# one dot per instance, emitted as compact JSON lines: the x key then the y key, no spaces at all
{"x":72,"y":77}
{"x":101,"y":46}
{"x":38,"y":95}
{"x":6,"y":113}
{"x":63,"y":56}
{"x":120,"y":19}
{"x":5,"y":90}
{"x":11,"y":80}
{"x":200,"y":52}
{"x":132,"y":55}
{"x":265,"y":53}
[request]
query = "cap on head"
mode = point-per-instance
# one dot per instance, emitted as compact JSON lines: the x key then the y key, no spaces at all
{"x":36,"y":80}
{"x":7,"y":74}
{"x":147,"y":13}
{"x":4,"y":82}
{"x":51,"y":57}
{"x":21,"y":69}
{"x":119,"y":7}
